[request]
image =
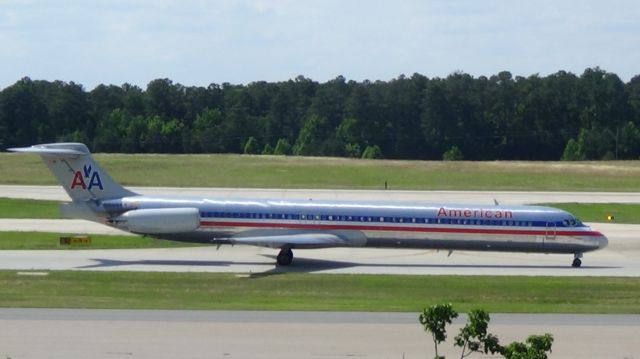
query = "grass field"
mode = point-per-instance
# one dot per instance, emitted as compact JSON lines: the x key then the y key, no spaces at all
{"x":29,"y":208}
{"x":309,"y":172}
{"x":46,"y":240}
{"x":598,"y":212}
{"x":289,"y":291}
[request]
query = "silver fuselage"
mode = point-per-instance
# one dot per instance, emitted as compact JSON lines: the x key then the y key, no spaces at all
{"x":377,"y":224}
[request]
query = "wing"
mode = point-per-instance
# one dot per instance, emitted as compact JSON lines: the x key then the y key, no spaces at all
{"x":301,"y":240}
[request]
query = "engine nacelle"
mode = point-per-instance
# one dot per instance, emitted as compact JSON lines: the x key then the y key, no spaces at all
{"x":159,"y":220}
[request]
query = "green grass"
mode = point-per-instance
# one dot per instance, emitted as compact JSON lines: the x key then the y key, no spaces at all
{"x":151,"y":290}
{"x":29,"y":208}
{"x":46,"y":240}
{"x":598,"y":212}
{"x":301,"y":172}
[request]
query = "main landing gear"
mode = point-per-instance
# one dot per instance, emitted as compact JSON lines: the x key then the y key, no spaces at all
{"x":285,"y":257}
{"x":577,"y":261}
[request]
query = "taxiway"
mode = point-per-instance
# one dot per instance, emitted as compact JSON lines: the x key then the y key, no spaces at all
{"x":64,"y":333}
{"x":504,"y":197}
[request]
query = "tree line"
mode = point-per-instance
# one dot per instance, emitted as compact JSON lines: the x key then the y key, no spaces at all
{"x":592,"y":116}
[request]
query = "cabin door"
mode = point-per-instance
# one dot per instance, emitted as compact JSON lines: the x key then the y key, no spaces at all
{"x":550,"y":232}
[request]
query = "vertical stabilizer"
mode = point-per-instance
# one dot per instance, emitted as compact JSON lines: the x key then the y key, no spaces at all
{"x":77,"y":172}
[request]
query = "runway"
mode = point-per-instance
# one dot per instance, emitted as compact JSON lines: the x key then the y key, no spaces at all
{"x":504,"y":197}
{"x":620,"y":258}
{"x":63,"y":333}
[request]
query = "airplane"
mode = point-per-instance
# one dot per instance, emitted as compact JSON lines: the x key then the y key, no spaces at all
{"x":303,"y":224}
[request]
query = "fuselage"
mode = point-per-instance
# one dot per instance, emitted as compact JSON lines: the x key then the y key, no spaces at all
{"x":372,"y":224}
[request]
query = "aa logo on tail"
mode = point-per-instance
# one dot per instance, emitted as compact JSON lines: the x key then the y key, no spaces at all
{"x":93,"y":178}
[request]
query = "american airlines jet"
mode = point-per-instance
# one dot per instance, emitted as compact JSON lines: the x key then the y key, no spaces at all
{"x":302,"y":224}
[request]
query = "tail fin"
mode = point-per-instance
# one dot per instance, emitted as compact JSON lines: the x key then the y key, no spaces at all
{"x":77,"y":172}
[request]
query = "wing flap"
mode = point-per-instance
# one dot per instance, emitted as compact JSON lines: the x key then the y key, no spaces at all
{"x":302,"y":240}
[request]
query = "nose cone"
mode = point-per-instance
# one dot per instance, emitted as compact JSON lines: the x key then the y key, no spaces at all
{"x":602,"y":241}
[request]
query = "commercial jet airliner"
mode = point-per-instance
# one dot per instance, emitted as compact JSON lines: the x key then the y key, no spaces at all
{"x":301,"y":224}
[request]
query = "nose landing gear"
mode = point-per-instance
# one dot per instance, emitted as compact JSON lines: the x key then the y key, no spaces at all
{"x":577,"y":261}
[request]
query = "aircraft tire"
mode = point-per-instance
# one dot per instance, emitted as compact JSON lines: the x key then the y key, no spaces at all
{"x":576,"y":263}
{"x":285,"y":257}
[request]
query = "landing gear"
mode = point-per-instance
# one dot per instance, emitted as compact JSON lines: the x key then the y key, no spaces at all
{"x":577,"y":261}
{"x":285,"y":257}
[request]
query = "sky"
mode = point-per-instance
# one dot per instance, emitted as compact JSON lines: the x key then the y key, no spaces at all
{"x":197,"y":43}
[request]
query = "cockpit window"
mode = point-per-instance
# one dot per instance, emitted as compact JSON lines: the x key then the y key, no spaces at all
{"x":572,"y":222}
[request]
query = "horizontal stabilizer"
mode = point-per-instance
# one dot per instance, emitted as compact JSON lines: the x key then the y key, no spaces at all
{"x":44,"y":150}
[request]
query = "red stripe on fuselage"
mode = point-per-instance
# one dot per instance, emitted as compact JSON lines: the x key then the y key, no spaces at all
{"x":352,"y":227}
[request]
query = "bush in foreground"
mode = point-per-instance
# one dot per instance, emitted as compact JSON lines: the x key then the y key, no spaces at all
{"x":475,"y":337}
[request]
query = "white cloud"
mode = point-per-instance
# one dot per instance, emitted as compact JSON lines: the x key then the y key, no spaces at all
{"x":199,"y":42}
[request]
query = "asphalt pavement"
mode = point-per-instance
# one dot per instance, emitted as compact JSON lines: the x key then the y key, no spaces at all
{"x":82,"y":333}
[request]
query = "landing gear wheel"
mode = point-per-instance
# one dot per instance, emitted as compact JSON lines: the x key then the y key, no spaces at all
{"x":576,"y":263}
{"x":285,"y":257}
